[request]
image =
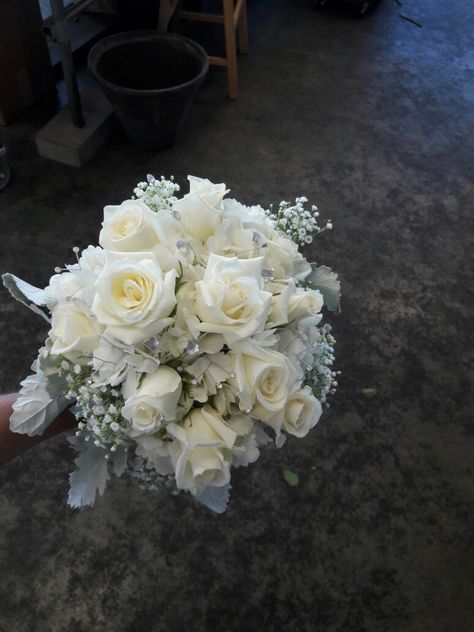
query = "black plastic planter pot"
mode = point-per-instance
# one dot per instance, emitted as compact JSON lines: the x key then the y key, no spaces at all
{"x":150,"y":80}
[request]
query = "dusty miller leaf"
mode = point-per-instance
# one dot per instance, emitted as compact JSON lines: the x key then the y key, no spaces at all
{"x":215,"y":498}
{"x":119,"y":461}
{"x":327,"y":282}
{"x":34,"y":409}
{"x":90,"y":477}
{"x":27,"y":294}
{"x":56,"y":384}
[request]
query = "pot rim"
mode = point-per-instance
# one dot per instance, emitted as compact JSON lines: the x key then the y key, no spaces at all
{"x":107,"y":43}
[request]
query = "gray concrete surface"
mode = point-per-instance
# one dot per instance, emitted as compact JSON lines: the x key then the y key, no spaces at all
{"x":374,"y":121}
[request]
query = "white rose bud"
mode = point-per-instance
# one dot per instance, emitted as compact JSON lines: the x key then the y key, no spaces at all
{"x":134,"y":297}
{"x":202,"y":451}
{"x":230,"y":300}
{"x":154,"y":402}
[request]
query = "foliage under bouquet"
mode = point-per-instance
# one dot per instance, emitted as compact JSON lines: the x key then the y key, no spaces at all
{"x":185,"y":342}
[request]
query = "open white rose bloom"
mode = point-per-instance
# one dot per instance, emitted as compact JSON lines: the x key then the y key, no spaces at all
{"x":186,"y":341}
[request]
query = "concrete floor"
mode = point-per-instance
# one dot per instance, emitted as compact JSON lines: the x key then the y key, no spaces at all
{"x":373,"y":120}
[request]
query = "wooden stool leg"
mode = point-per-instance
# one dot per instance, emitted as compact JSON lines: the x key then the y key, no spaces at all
{"x":230,"y":48}
{"x":166,"y":11}
{"x":243,"y":34}
{"x":163,"y":15}
{"x":174,"y":24}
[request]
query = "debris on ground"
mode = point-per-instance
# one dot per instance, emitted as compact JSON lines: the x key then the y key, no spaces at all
{"x":291,"y":478}
{"x":368,"y":393}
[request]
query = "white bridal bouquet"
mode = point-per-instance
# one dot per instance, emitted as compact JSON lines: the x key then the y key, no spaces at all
{"x":186,"y":341}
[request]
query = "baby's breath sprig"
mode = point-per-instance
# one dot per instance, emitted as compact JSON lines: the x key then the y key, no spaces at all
{"x":157,"y":194}
{"x":97,"y":408}
{"x":322,"y":378}
{"x":297,"y":222}
{"x":143,"y":471}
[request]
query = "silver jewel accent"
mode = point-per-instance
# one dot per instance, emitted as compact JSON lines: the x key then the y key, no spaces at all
{"x":152,"y":343}
{"x":182,"y":245}
{"x":150,"y":179}
{"x":267,"y":275}
{"x":176,"y":215}
{"x":192,"y":348}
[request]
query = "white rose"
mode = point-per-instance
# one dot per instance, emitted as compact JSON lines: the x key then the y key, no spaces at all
{"x":77,"y":280}
{"x":73,"y":333}
{"x":290,"y":304}
{"x":134,"y":227}
{"x":92,"y":259}
{"x":154,"y":402}
{"x":233,"y":208}
{"x":134,"y":297}
{"x":203,"y":186}
{"x":233,"y":240}
{"x":202,"y":451}
{"x":200,"y":211}
{"x":62,"y":287}
{"x":304,"y":303}
{"x":229,"y":299}
{"x":302,"y":412}
{"x":263,"y":379}
{"x":282,"y":255}
{"x":128,"y":227}
{"x":278,"y":314}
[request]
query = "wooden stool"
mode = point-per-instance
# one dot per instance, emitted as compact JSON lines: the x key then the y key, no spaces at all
{"x":233,"y":18}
